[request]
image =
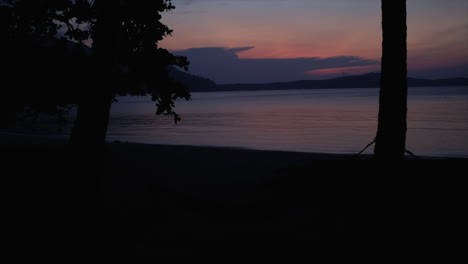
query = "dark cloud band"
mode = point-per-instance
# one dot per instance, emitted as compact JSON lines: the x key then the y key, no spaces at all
{"x":223,"y":65}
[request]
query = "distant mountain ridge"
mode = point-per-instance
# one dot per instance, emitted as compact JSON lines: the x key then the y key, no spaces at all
{"x":369,"y":80}
{"x":193,"y":82}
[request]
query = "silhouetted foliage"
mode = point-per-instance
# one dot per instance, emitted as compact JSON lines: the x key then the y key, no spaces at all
{"x":30,"y":80}
{"x":46,"y":65}
{"x":391,"y":134}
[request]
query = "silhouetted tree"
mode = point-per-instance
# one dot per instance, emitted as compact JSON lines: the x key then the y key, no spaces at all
{"x":29,"y":78}
{"x":391,"y":134}
{"x":124,"y":57}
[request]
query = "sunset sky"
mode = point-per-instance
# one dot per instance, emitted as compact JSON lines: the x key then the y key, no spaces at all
{"x":252,"y":41}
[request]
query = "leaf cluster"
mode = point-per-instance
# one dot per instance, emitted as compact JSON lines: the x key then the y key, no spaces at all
{"x":32,"y":27}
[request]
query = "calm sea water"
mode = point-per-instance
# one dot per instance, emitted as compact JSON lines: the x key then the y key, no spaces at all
{"x":332,"y":121}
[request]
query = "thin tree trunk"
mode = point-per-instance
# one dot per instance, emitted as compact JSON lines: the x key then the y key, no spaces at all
{"x":391,"y":133}
{"x":92,"y":121}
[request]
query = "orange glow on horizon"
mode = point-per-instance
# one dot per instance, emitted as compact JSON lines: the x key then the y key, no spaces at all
{"x":321,"y":29}
{"x":285,"y":52}
{"x":345,"y":70}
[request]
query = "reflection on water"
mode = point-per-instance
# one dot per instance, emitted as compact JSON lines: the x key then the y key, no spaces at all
{"x":334,"y":121}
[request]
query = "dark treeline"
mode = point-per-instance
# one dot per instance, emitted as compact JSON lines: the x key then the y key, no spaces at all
{"x":370,"y":80}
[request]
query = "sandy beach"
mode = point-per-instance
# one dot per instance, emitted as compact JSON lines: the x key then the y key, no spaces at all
{"x":159,"y":200}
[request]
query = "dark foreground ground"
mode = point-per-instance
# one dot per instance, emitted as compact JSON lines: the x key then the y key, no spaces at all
{"x":148,"y":200}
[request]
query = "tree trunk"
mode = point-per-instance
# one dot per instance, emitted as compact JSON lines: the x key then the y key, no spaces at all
{"x":91,"y":124}
{"x":94,"y":105}
{"x":391,"y":133}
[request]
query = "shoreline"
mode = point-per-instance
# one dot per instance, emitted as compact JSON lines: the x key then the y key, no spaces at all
{"x":160,"y":200}
{"x":12,"y":140}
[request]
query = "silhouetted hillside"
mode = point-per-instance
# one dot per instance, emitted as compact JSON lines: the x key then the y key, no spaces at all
{"x":413,"y":82}
{"x":194,"y":83}
{"x":369,"y":80}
